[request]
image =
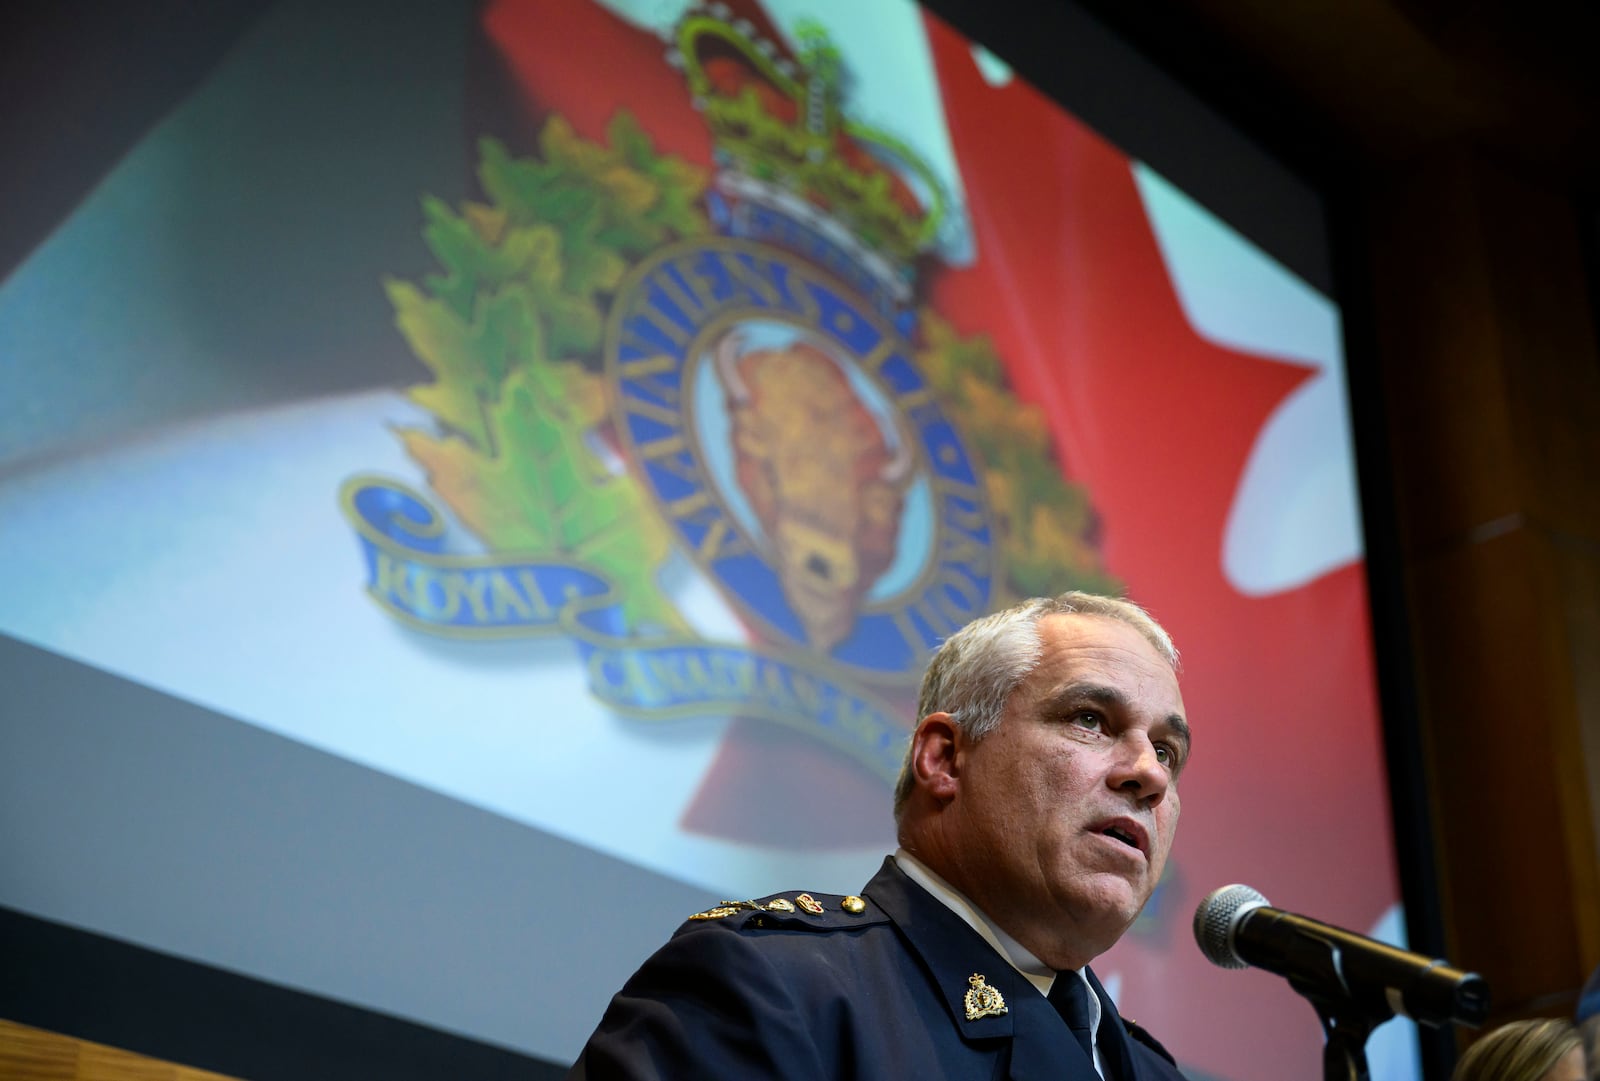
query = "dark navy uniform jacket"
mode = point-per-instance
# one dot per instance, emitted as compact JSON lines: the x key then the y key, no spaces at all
{"x":876,"y":994}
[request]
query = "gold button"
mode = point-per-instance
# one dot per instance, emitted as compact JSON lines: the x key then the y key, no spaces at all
{"x":853,"y":905}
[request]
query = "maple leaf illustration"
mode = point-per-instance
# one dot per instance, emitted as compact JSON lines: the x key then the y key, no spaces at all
{"x":505,"y":326}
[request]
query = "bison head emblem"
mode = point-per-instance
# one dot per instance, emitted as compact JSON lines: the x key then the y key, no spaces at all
{"x":823,"y":481}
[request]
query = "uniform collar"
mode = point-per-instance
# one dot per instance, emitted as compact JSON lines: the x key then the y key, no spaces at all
{"x":956,"y":941}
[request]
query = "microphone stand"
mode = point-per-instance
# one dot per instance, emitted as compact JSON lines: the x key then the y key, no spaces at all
{"x":1383,"y":980}
{"x":1344,"y":1056}
{"x":1346,"y":1022}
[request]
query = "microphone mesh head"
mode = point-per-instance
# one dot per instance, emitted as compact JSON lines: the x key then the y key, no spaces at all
{"x":1216,"y":917}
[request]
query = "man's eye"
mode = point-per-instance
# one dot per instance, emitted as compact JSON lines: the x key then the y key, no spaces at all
{"x":1166,"y":755}
{"x":1087,"y":719}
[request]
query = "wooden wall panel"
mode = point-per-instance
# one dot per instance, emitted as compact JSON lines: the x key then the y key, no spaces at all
{"x":32,"y":1054}
{"x":1578,"y":576}
{"x":1491,"y":382}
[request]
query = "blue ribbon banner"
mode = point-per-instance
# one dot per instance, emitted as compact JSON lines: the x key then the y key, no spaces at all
{"x":412,"y":574}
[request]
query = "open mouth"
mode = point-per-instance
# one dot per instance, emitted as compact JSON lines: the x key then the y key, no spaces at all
{"x":1121,"y":835}
{"x":1125,"y":833}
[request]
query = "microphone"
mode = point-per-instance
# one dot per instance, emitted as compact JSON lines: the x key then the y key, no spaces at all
{"x":1235,"y":927}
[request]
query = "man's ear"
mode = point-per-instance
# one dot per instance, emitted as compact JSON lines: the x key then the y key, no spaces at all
{"x":935,"y":756}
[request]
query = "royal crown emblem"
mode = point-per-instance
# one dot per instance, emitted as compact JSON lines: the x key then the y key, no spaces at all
{"x":785,"y":144}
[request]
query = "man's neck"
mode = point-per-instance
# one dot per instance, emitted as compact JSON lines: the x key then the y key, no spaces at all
{"x":1019,"y":956}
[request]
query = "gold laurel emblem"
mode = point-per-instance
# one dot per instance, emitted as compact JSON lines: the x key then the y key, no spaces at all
{"x":809,"y":903}
{"x":717,"y":913}
{"x":982,"y":1000}
{"x":780,"y":904}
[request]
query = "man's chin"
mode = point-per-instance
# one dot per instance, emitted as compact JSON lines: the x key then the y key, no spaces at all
{"x":1117,"y":900}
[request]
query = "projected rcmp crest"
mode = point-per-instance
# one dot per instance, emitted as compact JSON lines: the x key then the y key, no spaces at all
{"x":801,"y":458}
{"x":638,"y":365}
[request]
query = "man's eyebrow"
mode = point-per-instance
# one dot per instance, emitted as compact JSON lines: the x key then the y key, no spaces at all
{"x":1097,"y":693}
{"x":1101,"y":695}
{"x":1180,"y":729}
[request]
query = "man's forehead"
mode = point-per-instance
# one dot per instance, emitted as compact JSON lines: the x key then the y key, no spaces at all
{"x":1088,"y":630}
{"x":1080,"y":648}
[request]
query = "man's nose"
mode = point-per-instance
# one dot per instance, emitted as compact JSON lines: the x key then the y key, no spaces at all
{"x":1139,"y":770}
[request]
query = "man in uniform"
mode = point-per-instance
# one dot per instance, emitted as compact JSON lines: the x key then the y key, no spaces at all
{"x":1035,"y":811}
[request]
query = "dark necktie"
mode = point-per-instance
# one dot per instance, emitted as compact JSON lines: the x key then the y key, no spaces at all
{"x":1069,"y":994}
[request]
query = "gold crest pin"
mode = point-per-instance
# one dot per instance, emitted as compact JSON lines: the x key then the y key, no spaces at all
{"x":780,"y":904}
{"x":982,"y":1000}
{"x":809,"y":904}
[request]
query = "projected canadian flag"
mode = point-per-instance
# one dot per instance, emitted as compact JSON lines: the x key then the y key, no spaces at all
{"x":1287,"y":789}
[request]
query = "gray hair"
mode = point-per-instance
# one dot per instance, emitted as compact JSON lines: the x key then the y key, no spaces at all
{"x":975,"y":670}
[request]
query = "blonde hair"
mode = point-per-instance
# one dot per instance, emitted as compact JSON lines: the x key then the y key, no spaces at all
{"x":1518,"y":1051}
